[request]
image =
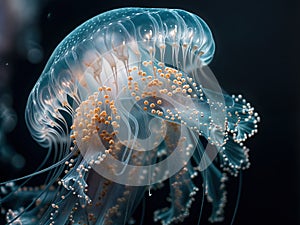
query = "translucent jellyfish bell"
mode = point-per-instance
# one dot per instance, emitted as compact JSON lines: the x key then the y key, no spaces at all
{"x":123,"y":102}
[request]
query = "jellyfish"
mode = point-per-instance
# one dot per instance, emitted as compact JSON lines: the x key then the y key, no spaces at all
{"x":127,"y":105}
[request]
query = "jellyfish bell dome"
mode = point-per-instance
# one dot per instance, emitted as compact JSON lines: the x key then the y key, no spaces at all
{"x":148,"y":48}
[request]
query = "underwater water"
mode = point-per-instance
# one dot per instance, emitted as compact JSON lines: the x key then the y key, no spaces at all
{"x":133,"y":124}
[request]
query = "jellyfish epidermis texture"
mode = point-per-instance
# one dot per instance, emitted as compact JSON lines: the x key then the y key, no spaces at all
{"x":127,"y":104}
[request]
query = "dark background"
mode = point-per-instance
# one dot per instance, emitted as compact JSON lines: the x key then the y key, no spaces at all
{"x":256,"y":55}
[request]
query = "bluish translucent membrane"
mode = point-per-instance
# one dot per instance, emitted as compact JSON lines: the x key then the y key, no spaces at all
{"x":122,"y":104}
